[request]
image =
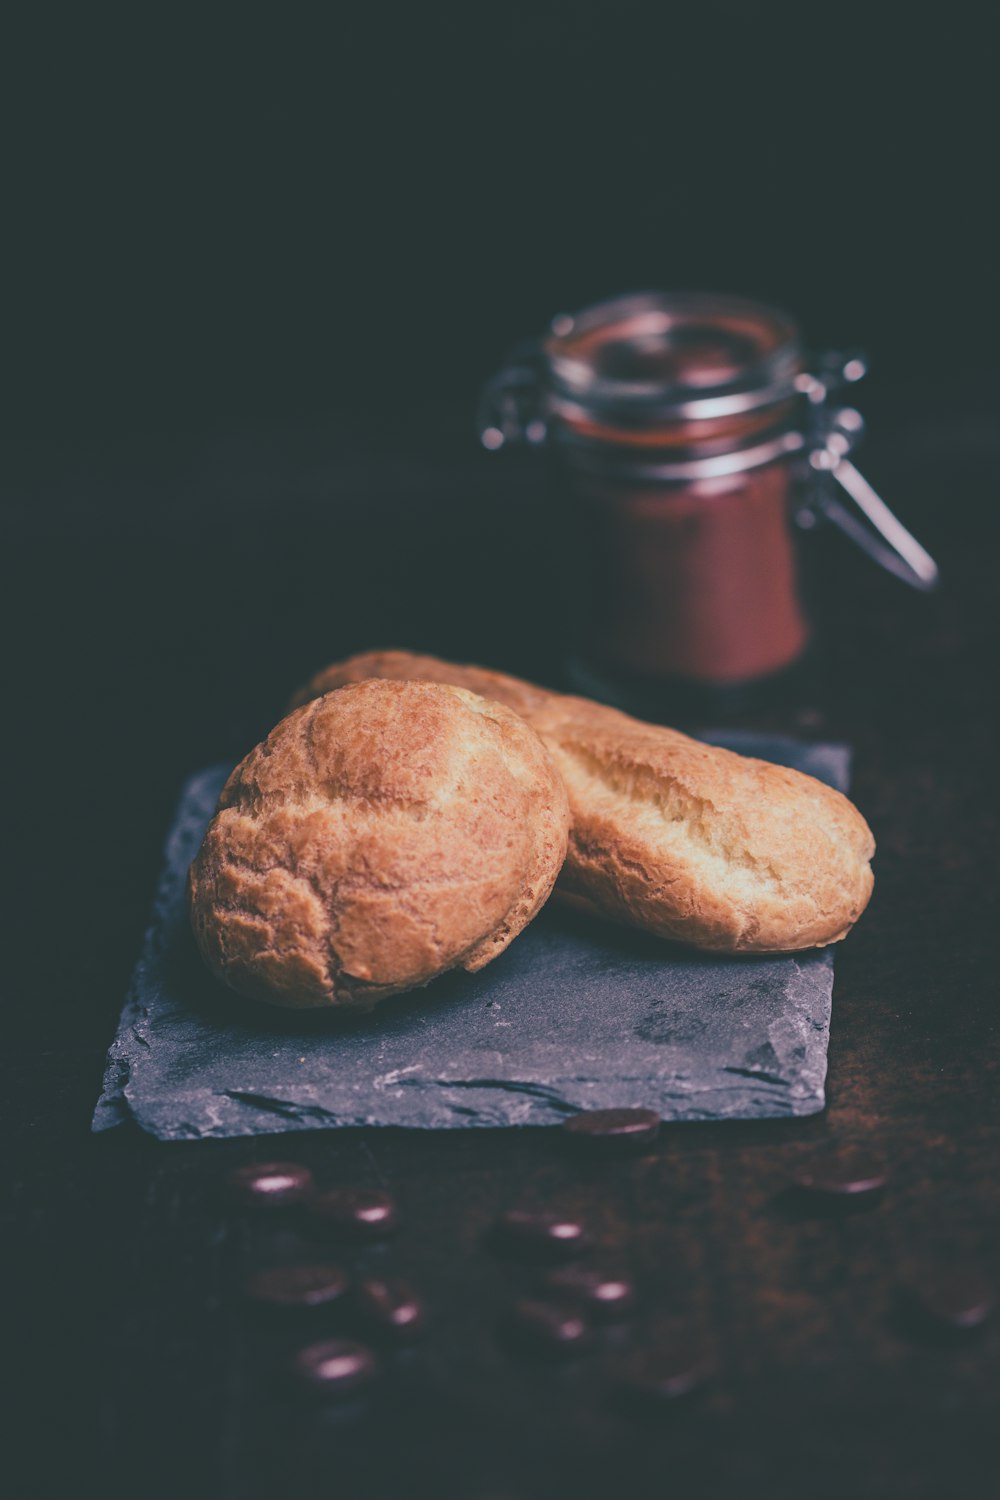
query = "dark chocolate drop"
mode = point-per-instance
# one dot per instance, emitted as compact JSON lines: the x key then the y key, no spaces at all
{"x":540,"y":1235}
{"x":602,"y":1293}
{"x":357,"y":1213}
{"x":391,"y":1308}
{"x":272,"y":1184}
{"x":297,"y":1285}
{"x":614,"y":1127}
{"x":337,"y":1367}
{"x":549,"y":1328}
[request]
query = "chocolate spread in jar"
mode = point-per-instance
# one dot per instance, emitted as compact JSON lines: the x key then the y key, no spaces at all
{"x":674,"y":418}
{"x":683,"y":429}
{"x":694,"y":580}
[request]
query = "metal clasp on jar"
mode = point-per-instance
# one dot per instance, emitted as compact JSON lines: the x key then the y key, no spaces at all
{"x":833,"y":432}
{"x":511,"y":408}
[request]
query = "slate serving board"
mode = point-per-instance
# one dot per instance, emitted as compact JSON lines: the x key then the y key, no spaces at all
{"x":575,"y":1015}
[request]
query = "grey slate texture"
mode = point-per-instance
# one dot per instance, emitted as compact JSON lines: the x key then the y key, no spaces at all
{"x":575,"y":1015}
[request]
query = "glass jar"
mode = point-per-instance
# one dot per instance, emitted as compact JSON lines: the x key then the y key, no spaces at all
{"x":689,"y":433}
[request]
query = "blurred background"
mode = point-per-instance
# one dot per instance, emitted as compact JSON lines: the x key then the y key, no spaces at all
{"x":258,"y":265}
{"x":233,"y":216}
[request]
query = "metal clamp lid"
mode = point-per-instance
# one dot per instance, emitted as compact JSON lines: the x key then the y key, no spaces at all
{"x":514,"y":407}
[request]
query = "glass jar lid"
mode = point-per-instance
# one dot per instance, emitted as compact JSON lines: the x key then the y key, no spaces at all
{"x":656,"y":357}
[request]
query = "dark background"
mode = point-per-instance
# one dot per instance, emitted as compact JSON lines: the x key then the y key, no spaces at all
{"x":238,"y":217}
{"x":256,"y":267}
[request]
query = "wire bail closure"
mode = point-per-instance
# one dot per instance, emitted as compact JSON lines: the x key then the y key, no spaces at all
{"x":833,"y":433}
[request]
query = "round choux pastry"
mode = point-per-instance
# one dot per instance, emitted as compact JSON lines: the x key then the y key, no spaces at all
{"x":380,"y":835}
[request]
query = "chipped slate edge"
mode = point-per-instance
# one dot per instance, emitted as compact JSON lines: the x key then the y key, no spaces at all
{"x":195,"y":805}
{"x":480,"y":1103}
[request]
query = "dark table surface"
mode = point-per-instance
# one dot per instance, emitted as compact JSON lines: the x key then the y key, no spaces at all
{"x":164,"y":595}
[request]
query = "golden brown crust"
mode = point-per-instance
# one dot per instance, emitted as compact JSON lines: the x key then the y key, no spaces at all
{"x":379,"y":836}
{"x":680,"y":838}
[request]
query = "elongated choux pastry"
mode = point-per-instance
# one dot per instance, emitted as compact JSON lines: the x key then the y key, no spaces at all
{"x":673,"y":836}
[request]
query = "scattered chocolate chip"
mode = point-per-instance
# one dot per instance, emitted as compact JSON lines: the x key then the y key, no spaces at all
{"x":952,"y":1296}
{"x":614,"y":1127}
{"x":843,"y":1177}
{"x":666,"y":1377}
{"x":548,"y":1327}
{"x":390,"y":1307}
{"x":336,"y":1367}
{"x":603,"y":1294}
{"x":272,"y":1184}
{"x":297,"y":1286}
{"x":361,"y":1213}
{"x":540,"y":1235}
